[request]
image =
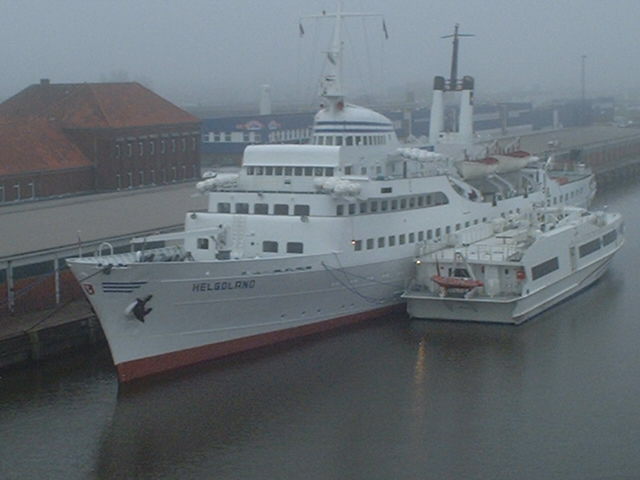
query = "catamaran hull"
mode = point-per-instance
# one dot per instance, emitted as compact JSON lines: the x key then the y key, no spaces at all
{"x":515,"y":310}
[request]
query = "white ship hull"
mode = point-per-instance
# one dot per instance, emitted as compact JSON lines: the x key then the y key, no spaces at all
{"x":514,"y":310}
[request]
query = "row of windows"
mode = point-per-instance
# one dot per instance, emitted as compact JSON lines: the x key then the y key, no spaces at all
{"x":375,"y":206}
{"x":289,"y":171}
{"x":263,"y":208}
{"x":126,"y":181}
{"x":595,"y":245}
{"x":271,"y":246}
{"x":127,"y":150}
{"x":412,"y":237}
{"x":567,"y":195}
{"x":20,"y":193}
{"x":357,"y":140}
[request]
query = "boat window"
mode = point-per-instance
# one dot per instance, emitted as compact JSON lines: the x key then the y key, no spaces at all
{"x":447,"y":229}
{"x":329,"y":140}
{"x":261,"y":208}
{"x":466,"y":224}
{"x":402,"y":239}
{"x":420,"y":201}
{"x":380,"y":242}
{"x":259,"y":171}
{"x":242,"y":208}
{"x":363,"y":170}
{"x":288,"y":170}
{"x":301,"y":210}
{"x":294,"y":247}
{"x":357,"y":245}
{"x":420,"y":236}
{"x":544,"y":268}
{"x":347,"y":170}
{"x":352,"y":209}
{"x":392,"y":240}
{"x":281,"y":209}
{"x":438,"y":232}
{"x":589,"y":247}
{"x":338,"y":141}
{"x":394,"y":204}
{"x":224,"y":207}
{"x":428,"y":200}
{"x":317,"y":171}
{"x":475,"y":222}
{"x":349,"y":140}
{"x":270,"y":246}
{"x":363,"y":207}
{"x":365,"y":140}
{"x":457,"y":227}
{"x":384,"y":205}
{"x":374,"y":206}
{"x":358,"y":140}
{"x":403,"y":203}
{"x":412,"y":202}
{"x":249,"y":170}
{"x":320,"y":140}
{"x":278,"y":170}
{"x":369,"y":243}
{"x":429,"y":234}
{"x":609,"y":238}
{"x":328,"y":172}
{"x":203,"y":243}
{"x":340,"y":210}
{"x":297,"y":171}
{"x":412,"y":237}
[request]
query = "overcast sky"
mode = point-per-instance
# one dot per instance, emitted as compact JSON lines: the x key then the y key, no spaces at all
{"x":208,"y":51}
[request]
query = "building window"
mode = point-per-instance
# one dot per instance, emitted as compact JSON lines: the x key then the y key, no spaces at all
{"x":269,"y":246}
{"x":1,"y":193}
{"x":173,"y":145}
{"x":294,"y":247}
{"x":246,"y":137}
{"x":203,"y":243}
{"x":117,"y":153}
{"x":347,"y":170}
{"x":174,"y":174}
{"x":130,"y":175}
{"x":152,"y":147}
{"x":163,"y":146}
{"x":194,"y":144}
{"x":118,"y":182}
{"x":141,"y":177}
{"x":412,"y":237}
{"x":183,"y":142}
{"x":129,"y":149}
{"x":153,"y":177}
{"x":17,"y":189}
{"x":140,"y":149}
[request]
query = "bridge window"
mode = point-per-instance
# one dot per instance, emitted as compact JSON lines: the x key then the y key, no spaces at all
{"x":288,"y":171}
{"x":301,"y":210}
{"x":278,"y":171}
{"x":294,"y":247}
{"x":281,"y":209}
{"x":328,"y":172}
{"x":269,"y":246}
{"x":308,"y":171}
{"x":242,"y":208}
{"x":224,"y":207}
{"x":297,"y":171}
{"x":202,"y":243}
{"x":261,"y":208}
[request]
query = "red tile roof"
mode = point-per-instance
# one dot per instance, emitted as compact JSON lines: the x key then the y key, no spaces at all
{"x":33,"y":145}
{"x":95,"y":105}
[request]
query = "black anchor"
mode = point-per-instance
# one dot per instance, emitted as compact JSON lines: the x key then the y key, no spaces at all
{"x":139,"y":310}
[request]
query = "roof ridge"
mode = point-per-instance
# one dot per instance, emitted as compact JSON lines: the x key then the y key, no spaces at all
{"x":99,"y":103}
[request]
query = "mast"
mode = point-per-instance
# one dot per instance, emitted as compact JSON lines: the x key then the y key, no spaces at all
{"x":453,"y":80}
{"x":331,"y":87}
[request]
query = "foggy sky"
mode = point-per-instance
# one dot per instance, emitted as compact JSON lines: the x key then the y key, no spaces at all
{"x":212,"y":52}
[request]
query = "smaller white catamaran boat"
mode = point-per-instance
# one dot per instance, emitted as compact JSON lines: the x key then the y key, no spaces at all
{"x":512,"y":269}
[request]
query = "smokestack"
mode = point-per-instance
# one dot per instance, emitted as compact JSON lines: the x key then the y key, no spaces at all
{"x":265,"y":100}
{"x":437,"y":110}
{"x":466,"y":110}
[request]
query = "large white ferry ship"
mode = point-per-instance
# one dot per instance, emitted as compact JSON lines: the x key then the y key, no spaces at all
{"x":307,"y":237}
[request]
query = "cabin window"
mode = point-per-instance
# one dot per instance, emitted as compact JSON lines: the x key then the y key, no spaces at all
{"x":363,"y":207}
{"x":358,"y":140}
{"x":278,"y":171}
{"x":338,"y":141}
{"x":438,"y":232}
{"x":412,"y":237}
{"x":249,"y":170}
{"x":294,"y":247}
{"x":261,"y":208}
{"x":329,"y":140}
{"x":203,"y":243}
{"x":369,"y":243}
{"x":384,"y":205}
{"x":347,"y":170}
{"x":301,"y":210}
{"x":317,"y":171}
{"x":297,"y":171}
{"x":392,"y":240}
{"x":420,"y":201}
{"x":328,"y":172}
{"x":281,"y":209}
{"x":457,"y":227}
{"x":152,"y":147}
{"x":394,"y":204}
{"x":420,"y":236}
{"x":259,"y":170}
{"x":589,"y":247}
{"x":402,"y":239}
{"x":609,"y":238}
{"x":403,"y":203}
{"x":308,"y":171}
{"x":374,"y":206}
{"x":412,"y":202}
{"x":349,"y":141}
{"x":380,"y":242}
{"x":544,"y":268}
{"x":242,"y":208}
{"x":288,"y":171}
{"x":340,"y":210}
{"x":466,"y":224}
{"x":268,"y":170}
{"x":386,"y":190}
{"x":224,"y":207}
{"x":429,"y":234}
{"x":357,"y":245}
{"x":320,"y":140}
{"x":269,"y":246}
{"x":352,"y":209}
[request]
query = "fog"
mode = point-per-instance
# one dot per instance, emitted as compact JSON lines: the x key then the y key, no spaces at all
{"x":220,"y":52}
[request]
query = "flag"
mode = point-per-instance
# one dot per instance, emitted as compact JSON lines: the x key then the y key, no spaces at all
{"x":384,"y":28}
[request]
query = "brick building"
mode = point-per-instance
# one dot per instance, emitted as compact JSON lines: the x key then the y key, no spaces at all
{"x":60,"y":139}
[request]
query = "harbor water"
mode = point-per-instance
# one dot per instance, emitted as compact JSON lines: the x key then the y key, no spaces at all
{"x":555,"y":398}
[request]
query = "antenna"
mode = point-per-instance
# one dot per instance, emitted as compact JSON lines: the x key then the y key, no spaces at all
{"x":453,"y":80}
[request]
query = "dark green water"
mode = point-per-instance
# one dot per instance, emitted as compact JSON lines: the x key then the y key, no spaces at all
{"x":556,"y":398}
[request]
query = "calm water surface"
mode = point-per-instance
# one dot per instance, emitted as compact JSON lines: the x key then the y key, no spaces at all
{"x":556,"y":398}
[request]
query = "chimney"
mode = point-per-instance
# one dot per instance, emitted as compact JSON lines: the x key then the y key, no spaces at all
{"x":45,"y":82}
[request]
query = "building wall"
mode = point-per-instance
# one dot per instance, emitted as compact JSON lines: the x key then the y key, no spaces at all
{"x":45,"y":184}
